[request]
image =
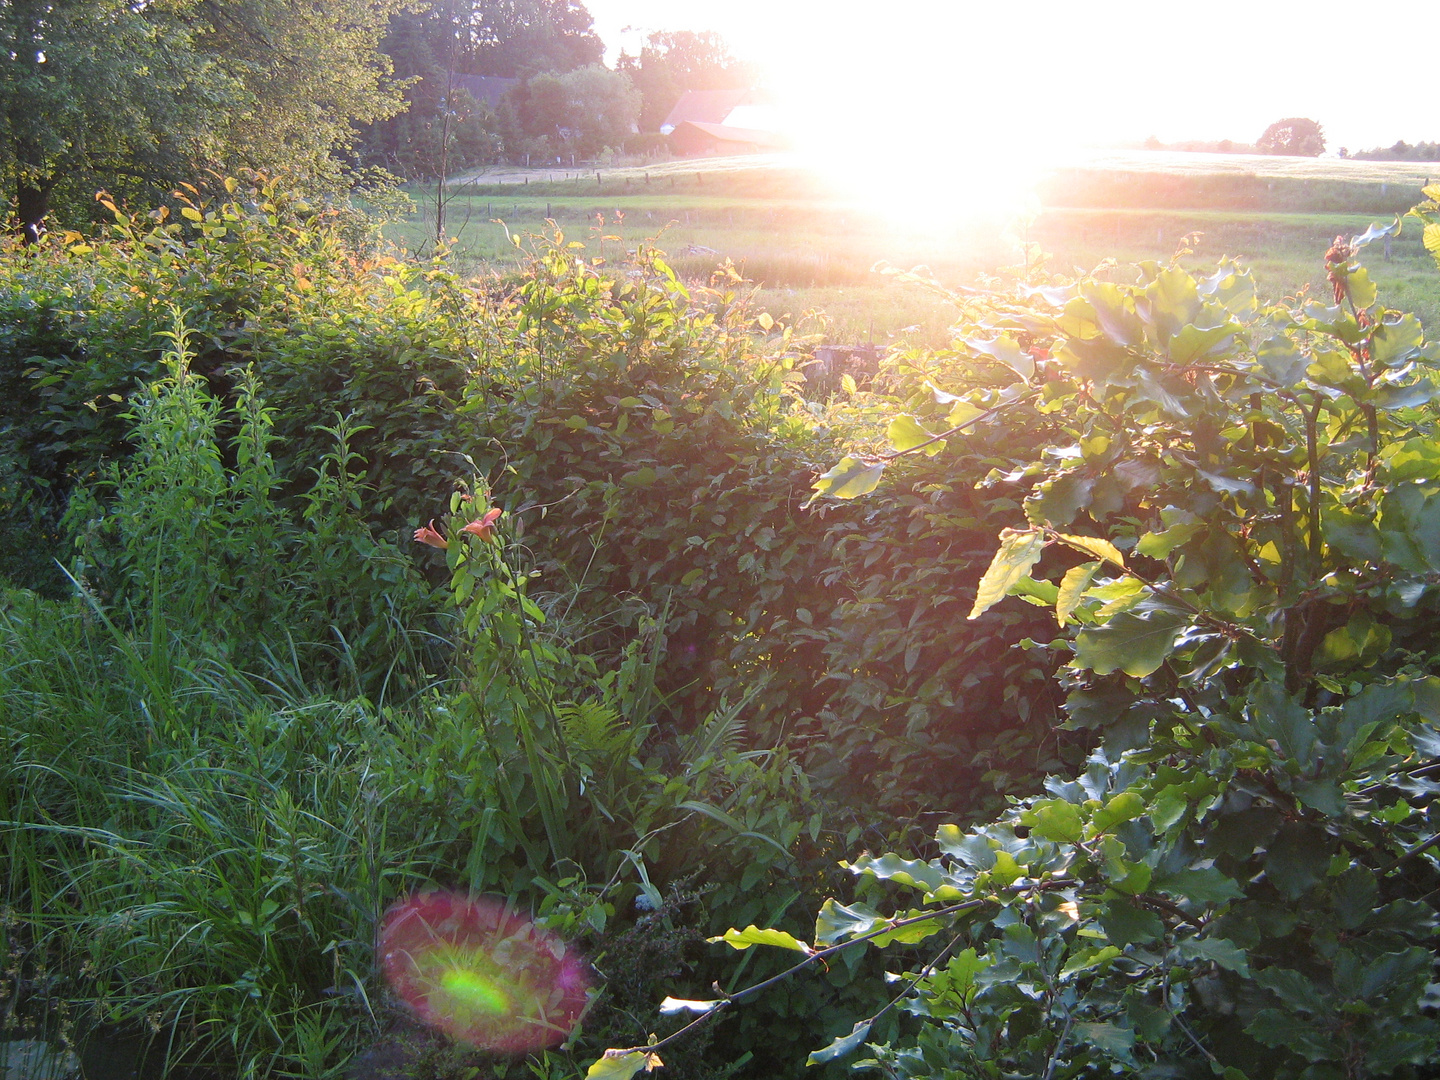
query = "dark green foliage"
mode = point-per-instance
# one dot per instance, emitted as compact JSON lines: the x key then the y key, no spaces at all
{"x":1232,"y":511}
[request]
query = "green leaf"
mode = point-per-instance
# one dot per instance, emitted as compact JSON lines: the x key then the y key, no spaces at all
{"x":835,"y":922}
{"x":676,"y":1005}
{"x":974,"y":851}
{"x":1019,"y":551}
{"x":1135,"y":642}
{"x":1217,"y":950}
{"x":1055,"y":819}
{"x":1112,"y":1038}
{"x":963,"y":412}
{"x":1279,"y":720}
{"x":1298,"y":859}
{"x":615,"y":1065}
{"x":850,"y":479}
{"x":891,"y":867}
{"x":1193,"y":343}
{"x":1094,"y":545}
{"x":1206,"y":885}
{"x":1005,"y":349}
{"x":1126,"y":806}
{"x":1362,"y":289}
{"x":1276,"y":1027}
{"x":1297,"y":991}
{"x":754,"y":935}
{"x":1396,"y":342}
{"x":841,"y":1047}
{"x":1159,"y":545}
{"x":1125,"y":923}
{"x":905,"y":433}
{"x":1089,"y":958}
{"x":1072,"y":590}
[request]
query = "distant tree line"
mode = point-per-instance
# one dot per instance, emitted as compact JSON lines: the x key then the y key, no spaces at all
{"x":565,"y":104}
{"x":138,"y":98}
{"x":1400,"y":151}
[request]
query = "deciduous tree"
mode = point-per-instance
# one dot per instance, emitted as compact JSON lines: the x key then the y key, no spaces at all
{"x":129,"y":96}
{"x":1294,"y":136}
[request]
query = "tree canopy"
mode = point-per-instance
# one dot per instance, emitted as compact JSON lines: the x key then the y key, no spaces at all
{"x":139,"y":96}
{"x":672,"y":62}
{"x":1295,"y":136}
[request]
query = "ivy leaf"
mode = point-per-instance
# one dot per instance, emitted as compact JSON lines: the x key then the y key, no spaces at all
{"x":850,"y":479}
{"x":1135,"y":642}
{"x":1072,"y":588}
{"x":841,"y":1047}
{"x":754,"y":935}
{"x":1019,"y":551}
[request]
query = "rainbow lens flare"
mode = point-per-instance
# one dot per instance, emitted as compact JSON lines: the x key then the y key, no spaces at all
{"x":481,"y":973}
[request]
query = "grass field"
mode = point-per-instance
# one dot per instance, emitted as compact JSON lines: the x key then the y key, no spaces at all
{"x":813,"y":252}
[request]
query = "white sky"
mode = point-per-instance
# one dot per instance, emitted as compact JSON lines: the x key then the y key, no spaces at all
{"x":998,"y":76}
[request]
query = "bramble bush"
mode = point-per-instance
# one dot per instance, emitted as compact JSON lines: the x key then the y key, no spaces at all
{"x":1232,"y":518}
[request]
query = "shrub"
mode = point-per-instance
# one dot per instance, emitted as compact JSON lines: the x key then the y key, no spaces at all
{"x":1240,"y":880}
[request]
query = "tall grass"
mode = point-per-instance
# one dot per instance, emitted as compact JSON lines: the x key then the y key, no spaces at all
{"x":224,"y":755}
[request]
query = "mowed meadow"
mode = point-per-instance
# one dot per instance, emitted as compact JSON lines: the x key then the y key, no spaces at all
{"x":818,"y":257}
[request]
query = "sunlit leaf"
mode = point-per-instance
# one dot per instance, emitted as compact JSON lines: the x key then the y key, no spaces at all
{"x":850,"y":479}
{"x":837,"y":921}
{"x":1072,"y":588}
{"x":754,"y":935}
{"x":905,"y":433}
{"x":1005,"y":349}
{"x":617,"y":1065}
{"x":1094,"y":545}
{"x":677,"y":1005}
{"x":1020,"y":549}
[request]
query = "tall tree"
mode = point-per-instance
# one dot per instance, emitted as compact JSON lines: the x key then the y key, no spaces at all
{"x":93,"y":90}
{"x":672,"y":62}
{"x":132,"y":95}
{"x":1295,"y":136}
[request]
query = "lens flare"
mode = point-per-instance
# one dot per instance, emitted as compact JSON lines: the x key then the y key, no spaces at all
{"x":481,"y":973}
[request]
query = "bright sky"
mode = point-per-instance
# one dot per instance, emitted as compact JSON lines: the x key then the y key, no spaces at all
{"x":993,"y":76}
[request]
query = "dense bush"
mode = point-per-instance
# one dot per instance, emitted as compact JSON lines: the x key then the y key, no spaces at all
{"x":239,"y":411}
{"x":1233,"y":514}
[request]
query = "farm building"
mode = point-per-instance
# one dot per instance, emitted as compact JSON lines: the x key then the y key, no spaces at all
{"x":696,"y":139}
{"x":705,"y":107}
{"x":707,"y":122}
